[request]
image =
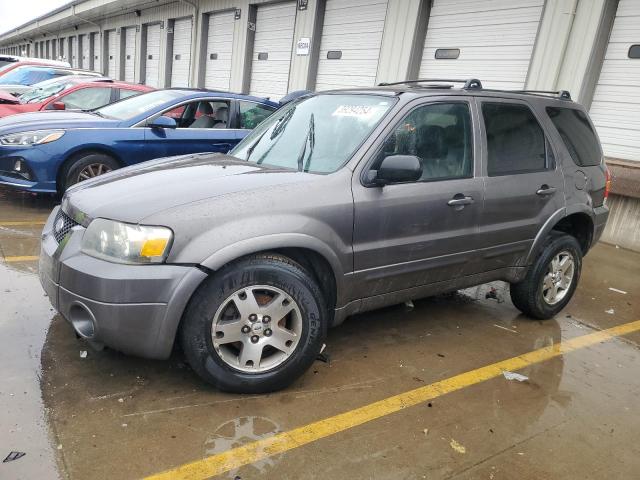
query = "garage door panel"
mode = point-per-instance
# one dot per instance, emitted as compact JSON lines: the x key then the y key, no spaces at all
{"x":220,"y":43}
{"x":273,"y":37}
{"x":152,"y":60}
{"x":615,"y":109}
{"x":355,"y":28}
{"x":181,"y":59}
{"x":129,"y":54}
{"x":495,"y":39}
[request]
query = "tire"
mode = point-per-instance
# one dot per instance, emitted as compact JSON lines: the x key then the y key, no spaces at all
{"x":73,"y":172}
{"x":220,"y":297}
{"x":535,"y":298}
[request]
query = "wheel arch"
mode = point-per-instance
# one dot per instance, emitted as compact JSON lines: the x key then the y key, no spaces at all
{"x":577,"y":222}
{"x":81,"y":152}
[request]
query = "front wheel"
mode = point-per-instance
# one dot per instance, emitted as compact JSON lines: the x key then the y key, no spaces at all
{"x":552,"y":279}
{"x":255,"y":326}
{"x":88,"y":166}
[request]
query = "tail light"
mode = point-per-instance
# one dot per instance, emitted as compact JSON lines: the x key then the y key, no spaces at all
{"x":607,"y":184}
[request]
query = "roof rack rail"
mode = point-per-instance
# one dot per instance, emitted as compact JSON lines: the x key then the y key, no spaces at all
{"x":469,"y":83}
{"x":563,"y":94}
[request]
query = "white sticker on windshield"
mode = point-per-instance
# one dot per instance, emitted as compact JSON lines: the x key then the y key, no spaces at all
{"x":359,"y":111}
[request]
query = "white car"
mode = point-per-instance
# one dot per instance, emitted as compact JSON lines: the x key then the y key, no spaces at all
{"x":23,"y":78}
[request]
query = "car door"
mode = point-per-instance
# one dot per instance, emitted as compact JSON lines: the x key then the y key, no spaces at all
{"x":523,"y":186}
{"x":412,"y":234}
{"x":201,"y":127}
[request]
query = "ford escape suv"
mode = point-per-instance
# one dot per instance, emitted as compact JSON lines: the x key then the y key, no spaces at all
{"x":339,"y":203}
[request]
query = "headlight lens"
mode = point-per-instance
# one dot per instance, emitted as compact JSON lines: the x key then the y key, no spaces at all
{"x":26,"y":139}
{"x":126,"y":243}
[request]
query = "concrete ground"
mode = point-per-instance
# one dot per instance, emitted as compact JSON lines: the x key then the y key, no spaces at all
{"x":110,"y":416}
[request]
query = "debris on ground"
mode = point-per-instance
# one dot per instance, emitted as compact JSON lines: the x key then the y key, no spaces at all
{"x":611,"y":311}
{"x":514,"y":376}
{"x":83,"y":354}
{"x":504,"y":328}
{"x":457,"y":447}
{"x":13,"y":456}
{"x":617,"y":290}
{"x":409,"y":304}
{"x":324,"y":357}
{"x":425,"y":431}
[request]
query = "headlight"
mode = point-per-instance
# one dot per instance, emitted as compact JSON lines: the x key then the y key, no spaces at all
{"x":126,"y":243}
{"x":26,"y":139}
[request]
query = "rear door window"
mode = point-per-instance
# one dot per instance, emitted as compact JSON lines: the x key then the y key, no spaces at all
{"x":251,"y":114}
{"x":515,"y":140}
{"x":578,"y":136}
{"x":87,"y":98}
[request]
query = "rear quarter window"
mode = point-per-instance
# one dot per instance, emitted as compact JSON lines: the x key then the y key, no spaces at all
{"x":578,"y":136}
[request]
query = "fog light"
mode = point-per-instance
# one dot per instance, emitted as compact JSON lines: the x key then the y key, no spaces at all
{"x":18,"y":166}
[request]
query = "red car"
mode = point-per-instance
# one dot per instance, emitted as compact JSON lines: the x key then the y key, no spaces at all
{"x":69,"y":93}
{"x":9,"y":62}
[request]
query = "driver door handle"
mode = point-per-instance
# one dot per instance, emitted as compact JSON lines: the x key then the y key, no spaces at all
{"x":545,"y":190}
{"x":460,"y":200}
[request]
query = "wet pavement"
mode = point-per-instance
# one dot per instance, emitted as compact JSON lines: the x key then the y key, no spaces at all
{"x":111,"y":416}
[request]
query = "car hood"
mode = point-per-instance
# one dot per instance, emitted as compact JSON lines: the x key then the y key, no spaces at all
{"x":6,"y":97}
{"x":52,"y":120}
{"x":133,"y":193}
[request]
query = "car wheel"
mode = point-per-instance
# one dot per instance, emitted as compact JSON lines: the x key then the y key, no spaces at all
{"x":254,"y":326}
{"x":551,"y":280}
{"x":88,"y":166}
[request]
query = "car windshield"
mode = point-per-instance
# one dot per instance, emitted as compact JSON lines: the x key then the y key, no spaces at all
{"x":26,"y":76}
{"x":43,"y":90}
{"x":317,"y":135}
{"x":134,"y":106}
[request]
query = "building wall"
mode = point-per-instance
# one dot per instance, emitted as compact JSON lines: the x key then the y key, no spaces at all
{"x":570,"y":45}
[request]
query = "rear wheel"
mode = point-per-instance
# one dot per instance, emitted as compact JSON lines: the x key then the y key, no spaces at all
{"x":88,"y":166}
{"x":552,"y":279}
{"x":255,"y":326}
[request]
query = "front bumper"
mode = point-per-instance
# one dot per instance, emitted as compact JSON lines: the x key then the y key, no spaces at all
{"x":40,"y":162}
{"x":135,"y":309}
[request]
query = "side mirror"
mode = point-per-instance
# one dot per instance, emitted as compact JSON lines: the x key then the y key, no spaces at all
{"x":59,"y":106}
{"x":398,"y":169}
{"x":162,"y":122}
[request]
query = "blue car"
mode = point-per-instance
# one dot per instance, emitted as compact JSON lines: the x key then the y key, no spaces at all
{"x":47,"y":152}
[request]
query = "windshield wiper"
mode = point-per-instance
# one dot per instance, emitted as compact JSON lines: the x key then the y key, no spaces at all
{"x":311,"y":138}
{"x":254,"y":145}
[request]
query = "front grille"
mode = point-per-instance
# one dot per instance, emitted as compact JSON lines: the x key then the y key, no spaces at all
{"x":62,"y":225}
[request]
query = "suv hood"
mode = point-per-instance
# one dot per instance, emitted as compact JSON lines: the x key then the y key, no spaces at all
{"x":133,"y":193}
{"x":52,"y":120}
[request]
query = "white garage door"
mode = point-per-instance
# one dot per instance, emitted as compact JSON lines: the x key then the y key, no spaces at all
{"x":495,"y":39}
{"x":48,"y":49}
{"x":97,"y":65}
{"x":616,"y":102}
{"x":73,"y":51}
{"x":152,"y":61}
{"x":130,"y":54}
{"x":272,"y":50}
{"x":350,"y":43}
{"x":86,"y":51}
{"x":112,"y":54}
{"x":219,"y":51}
{"x":181,"y":61}
{"x":54,"y":55}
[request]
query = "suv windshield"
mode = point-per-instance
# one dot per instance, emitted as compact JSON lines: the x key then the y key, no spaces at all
{"x":318,"y":134}
{"x":134,"y":106}
{"x":26,"y":75}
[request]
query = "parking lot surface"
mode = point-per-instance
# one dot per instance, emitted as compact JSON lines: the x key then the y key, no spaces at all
{"x":105,"y":415}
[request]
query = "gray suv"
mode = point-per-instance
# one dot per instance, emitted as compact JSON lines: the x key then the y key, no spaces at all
{"x":339,"y":203}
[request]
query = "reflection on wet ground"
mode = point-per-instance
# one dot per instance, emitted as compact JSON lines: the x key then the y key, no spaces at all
{"x":111,"y":416}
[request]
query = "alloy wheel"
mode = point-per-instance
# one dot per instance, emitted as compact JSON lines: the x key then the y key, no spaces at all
{"x":256,"y":328}
{"x":559,"y":277}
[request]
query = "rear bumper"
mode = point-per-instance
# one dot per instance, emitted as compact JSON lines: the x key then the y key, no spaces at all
{"x":135,"y":309}
{"x":601,"y":214}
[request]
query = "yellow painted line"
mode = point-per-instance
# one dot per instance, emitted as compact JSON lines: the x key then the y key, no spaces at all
{"x":21,"y":258}
{"x":20,"y":224}
{"x":282,"y":442}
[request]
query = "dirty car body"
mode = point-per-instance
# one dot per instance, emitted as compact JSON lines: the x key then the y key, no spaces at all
{"x":340,"y":203}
